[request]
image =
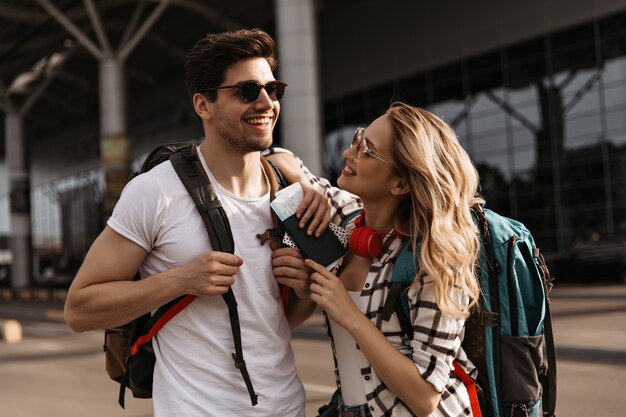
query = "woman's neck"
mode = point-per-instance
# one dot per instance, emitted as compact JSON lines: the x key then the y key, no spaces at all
{"x":381,"y":216}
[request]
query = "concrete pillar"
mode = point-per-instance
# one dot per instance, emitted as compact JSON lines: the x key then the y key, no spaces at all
{"x":114,"y":142}
{"x":19,"y":192}
{"x":300,"y":119}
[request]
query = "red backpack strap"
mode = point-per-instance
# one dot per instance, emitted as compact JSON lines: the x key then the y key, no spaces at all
{"x":470,"y":385}
{"x":166,"y":314}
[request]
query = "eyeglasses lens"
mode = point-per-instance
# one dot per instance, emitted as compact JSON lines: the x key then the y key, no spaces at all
{"x":358,"y":143}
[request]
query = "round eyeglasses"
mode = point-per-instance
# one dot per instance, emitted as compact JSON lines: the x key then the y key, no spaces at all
{"x":360,"y":146}
{"x":249,"y":90}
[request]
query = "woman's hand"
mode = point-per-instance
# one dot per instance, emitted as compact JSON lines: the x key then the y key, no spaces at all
{"x":328,"y":291}
{"x":314,"y":206}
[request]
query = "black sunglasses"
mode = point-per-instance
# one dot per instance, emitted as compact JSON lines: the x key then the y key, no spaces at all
{"x":250,"y":90}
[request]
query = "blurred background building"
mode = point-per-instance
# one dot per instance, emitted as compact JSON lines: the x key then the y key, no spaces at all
{"x":535,"y":90}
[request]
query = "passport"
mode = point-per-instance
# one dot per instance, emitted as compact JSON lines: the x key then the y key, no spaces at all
{"x":324,"y":249}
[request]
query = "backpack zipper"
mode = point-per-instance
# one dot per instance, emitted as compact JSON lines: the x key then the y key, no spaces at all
{"x":511,"y":287}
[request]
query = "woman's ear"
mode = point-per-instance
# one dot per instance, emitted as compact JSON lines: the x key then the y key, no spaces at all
{"x":202,"y":106}
{"x":400,"y":187}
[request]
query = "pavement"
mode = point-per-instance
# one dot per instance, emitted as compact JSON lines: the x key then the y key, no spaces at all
{"x":589,"y":326}
{"x":578,"y":332}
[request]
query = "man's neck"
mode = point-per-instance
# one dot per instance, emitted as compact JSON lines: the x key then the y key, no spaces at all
{"x":238,"y":173}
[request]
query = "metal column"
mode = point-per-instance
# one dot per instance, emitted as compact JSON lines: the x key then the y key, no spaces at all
{"x":19,"y":186}
{"x":297,"y":54}
{"x":114,"y":143}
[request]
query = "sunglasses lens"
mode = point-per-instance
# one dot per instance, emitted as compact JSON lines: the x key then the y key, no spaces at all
{"x":249,"y":91}
{"x":275,"y":90}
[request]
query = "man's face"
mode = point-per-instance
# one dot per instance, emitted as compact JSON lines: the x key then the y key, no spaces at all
{"x":246,"y":127}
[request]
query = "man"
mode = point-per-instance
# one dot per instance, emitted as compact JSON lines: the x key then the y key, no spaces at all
{"x":156,"y":229}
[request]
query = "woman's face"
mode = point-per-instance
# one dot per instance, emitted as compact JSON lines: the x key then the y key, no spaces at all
{"x":369,"y":174}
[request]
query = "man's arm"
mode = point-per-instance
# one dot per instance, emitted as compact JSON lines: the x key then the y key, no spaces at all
{"x":103,"y":294}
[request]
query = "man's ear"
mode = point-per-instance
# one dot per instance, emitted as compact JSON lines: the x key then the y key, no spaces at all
{"x":202,"y":106}
{"x":400,"y":187}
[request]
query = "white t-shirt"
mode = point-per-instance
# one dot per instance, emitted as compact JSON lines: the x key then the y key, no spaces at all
{"x":352,"y":389}
{"x":194,"y":373}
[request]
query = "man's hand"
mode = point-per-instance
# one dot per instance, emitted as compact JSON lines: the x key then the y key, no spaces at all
{"x":289,"y":269}
{"x":210,"y":273}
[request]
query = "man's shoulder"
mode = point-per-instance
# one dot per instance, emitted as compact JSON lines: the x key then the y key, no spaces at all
{"x":160,"y":180}
{"x":162,"y":173}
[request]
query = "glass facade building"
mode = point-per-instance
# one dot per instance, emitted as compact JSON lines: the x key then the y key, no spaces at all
{"x":541,"y":112}
{"x":544,"y":121}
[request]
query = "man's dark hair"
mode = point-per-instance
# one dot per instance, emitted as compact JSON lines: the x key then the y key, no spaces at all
{"x":207,"y":62}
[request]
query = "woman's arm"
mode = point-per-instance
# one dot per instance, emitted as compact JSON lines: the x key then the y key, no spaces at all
{"x":315,"y":205}
{"x":342,"y":203}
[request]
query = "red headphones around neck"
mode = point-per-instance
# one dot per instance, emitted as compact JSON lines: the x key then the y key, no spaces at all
{"x":365,"y":241}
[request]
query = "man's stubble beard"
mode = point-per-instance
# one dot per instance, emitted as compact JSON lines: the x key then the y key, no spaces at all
{"x":234,"y":143}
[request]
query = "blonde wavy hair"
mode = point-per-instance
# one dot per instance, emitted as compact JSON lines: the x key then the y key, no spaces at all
{"x":443,"y":186}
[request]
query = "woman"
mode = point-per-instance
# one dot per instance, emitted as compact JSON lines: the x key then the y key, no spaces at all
{"x":415,"y":182}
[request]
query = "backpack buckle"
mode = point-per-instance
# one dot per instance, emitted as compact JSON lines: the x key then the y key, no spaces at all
{"x":487,"y":318}
{"x":273,"y":233}
{"x":238,"y":363}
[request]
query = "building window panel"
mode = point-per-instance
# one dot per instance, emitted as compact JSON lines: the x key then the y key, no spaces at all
{"x":615,"y":95}
{"x":523,"y":160}
{"x":616,"y":123}
{"x":492,"y":144}
{"x":448,"y":110}
{"x":615,"y":71}
{"x":523,"y":97}
{"x":581,"y":101}
{"x":618,"y":138}
{"x":582,"y":130}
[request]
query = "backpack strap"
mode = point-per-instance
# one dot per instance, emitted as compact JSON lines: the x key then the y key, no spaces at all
{"x":221,"y":237}
{"x":494,"y":289}
{"x":549,"y":388}
{"x":397,"y":301}
{"x":470,"y":386}
{"x":346,"y":220}
{"x":549,"y":380}
{"x":277,"y":181}
{"x":157,"y":320}
{"x":275,"y":175}
{"x":210,"y":208}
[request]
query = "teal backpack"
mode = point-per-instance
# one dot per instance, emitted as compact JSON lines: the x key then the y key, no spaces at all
{"x":509,"y":335}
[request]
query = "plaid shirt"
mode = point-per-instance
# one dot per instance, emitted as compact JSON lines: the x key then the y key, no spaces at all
{"x":435,"y":345}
